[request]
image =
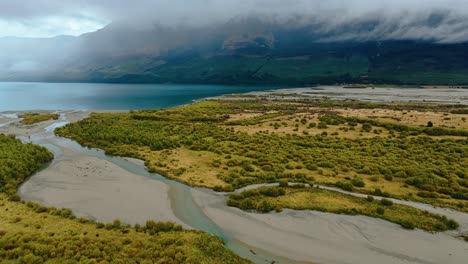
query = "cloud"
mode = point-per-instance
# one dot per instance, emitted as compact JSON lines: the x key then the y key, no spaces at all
{"x":439,"y":20}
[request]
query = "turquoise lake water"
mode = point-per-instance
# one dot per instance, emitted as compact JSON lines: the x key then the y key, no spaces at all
{"x":88,"y":96}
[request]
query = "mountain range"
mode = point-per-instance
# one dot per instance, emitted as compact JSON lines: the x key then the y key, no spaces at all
{"x":241,"y":51}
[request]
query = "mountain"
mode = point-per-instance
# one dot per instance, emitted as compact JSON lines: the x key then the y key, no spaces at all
{"x":241,"y":51}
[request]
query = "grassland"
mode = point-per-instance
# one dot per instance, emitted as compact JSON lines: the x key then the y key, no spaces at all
{"x":32,"y":233}
{"x":33,"y":118}
{"x":364,"y":147}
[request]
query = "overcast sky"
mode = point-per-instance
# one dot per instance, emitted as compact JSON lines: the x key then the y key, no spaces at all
{"x":46,"y":18}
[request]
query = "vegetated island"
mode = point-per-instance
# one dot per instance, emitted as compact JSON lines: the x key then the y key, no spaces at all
{"x":409,"y":151}
{"x":33,"y":118}
{"x":32,"y":233}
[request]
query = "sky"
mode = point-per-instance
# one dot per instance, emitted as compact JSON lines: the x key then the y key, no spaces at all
{"x":48,"y":18}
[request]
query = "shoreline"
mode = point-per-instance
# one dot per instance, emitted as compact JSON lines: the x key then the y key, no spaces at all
{"x":449,"y":96}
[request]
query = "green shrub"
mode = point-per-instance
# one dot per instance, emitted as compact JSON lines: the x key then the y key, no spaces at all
{"x":380,"y":210}
{"x":460,"y":196}
{"x":386,"y":202}
{"x":116,"y":224}
{"x":345,"y":186}
{"x":264,"y":206}
{"x":322,"y":125}
{"x":247,"y":204}
{"x":366,"y":127}
{"x":283,"y":183}
{"x":358,"y":182}
{"x":452,"y":224}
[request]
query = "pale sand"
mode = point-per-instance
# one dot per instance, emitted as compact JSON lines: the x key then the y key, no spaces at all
{"x":381,"y":94}
{"x":331,"y":238}
{"x":91,"y":186}
{"x":98,"y":189}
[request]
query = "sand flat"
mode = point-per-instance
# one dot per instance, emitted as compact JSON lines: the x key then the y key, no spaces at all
{"x":99,"y":189}
{"x":330,"y":238}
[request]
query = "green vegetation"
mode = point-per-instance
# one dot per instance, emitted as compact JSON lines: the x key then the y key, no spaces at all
{"x":18,"y":161}
{"x":266,"y":199}
{"x":227,"y":144}
{"x":33,"y":118}
{"x":32,"y":233}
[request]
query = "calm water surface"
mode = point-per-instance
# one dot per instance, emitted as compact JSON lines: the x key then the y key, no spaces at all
{"x":87,"y":96}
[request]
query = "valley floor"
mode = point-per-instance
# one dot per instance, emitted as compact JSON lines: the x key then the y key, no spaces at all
{"x":105,"y":188}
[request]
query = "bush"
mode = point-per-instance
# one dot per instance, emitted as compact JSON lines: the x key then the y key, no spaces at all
{"x":459,"y":196}
{"x":358,"y":182}
{"x":366,"y":127}
{"x":15,"y":198}
{"x":452,"y":224}
{"x":272,"y":191}
{"x":380,"y":210}
{"x":322,"y":125}
{"x":446,"y":190}
{"x":378,"y":192}
{"x":247,"y":204}
{"x":298,"y":185}
{"x":345,"y":186}
{"x":426,"y":194}
{"x":116,"y":224}
{"x":265,"y":206}
{"x":283,"y":183}
{"x":137,"y":227}
{"x":370,"y":198}
{"x":386,"y":202}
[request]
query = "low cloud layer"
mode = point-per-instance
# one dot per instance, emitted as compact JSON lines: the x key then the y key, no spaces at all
{"x":438,"y":20}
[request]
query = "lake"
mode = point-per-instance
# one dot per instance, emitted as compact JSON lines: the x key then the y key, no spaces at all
{"x":89,"y":96}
